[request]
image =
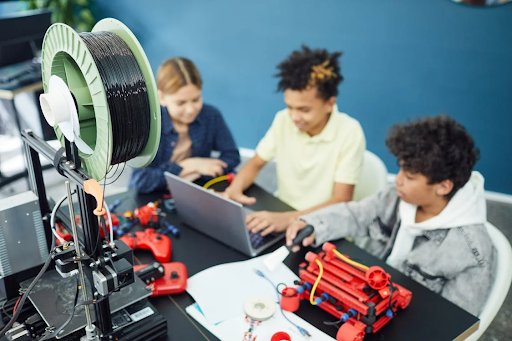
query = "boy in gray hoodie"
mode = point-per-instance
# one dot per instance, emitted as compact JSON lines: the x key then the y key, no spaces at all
{"x":430,"y":225}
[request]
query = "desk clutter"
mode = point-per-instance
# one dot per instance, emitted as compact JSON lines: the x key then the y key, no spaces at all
{"x":229,"y":296}
{"x":362,"y":298}
{"x":162,"y":276}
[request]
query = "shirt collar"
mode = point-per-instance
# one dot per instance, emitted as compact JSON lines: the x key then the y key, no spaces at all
{"x":168,"y":126}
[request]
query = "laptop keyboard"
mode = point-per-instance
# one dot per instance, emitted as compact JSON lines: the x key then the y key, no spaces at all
{"x":258,"y":240}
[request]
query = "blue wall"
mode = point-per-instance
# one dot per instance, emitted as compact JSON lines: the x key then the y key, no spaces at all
{"x":402,"y":59}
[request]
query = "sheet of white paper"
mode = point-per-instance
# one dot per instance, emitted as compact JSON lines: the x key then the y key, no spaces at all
{"x":234,"y":328}
{"x":221,"y":291}
{"x":193,"y":310}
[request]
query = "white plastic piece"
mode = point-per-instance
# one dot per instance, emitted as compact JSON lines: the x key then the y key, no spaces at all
{"x":90,"y":334}
{"x":260,"y":308}
{"x":273,"y":260}
{"x":59,"y":109}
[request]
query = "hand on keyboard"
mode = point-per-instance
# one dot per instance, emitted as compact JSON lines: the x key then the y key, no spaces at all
{"x":258,"y":240}
{"x":265,"y":222}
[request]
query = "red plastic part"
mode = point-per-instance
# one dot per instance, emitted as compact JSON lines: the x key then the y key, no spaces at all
{"x":311,"y":257}
{"x":406,"y":296}
{"x":61,"y":232}
{"x":377,"y":278}
{"x":350,"y":332}
{"x":281,"y":336}
{"x":145,"y":213}
{"x":333,"y":279}
{"x":349,"y":285}
{"x":230,"y":178}
{"x":328,"y":247}
{"x":173,"y":282}
{"x":290,"y":303}
{"x":340,"y":295}
{"x":115,"y":222}
{"x":159,"y":244}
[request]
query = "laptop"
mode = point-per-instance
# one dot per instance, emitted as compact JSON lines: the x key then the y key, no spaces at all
{"x":220,"y":218}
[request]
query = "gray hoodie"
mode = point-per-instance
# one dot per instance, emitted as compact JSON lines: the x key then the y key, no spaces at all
{"x":451,"y":253}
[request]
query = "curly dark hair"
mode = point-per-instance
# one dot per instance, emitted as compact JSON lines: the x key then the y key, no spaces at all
{"x":437,"y":147}
{"x":295,"y":72}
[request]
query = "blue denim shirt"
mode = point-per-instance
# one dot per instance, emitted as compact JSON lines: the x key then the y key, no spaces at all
{"x":208,"y":132}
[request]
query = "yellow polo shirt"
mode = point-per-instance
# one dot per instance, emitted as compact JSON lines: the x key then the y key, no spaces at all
{"x":308,"y":166}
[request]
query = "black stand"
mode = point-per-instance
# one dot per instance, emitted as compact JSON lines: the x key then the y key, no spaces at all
{"x":152,"y":327}
{"x":69,"y":167}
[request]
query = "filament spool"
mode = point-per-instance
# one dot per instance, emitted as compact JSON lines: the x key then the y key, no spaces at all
{"x":65,"y":54}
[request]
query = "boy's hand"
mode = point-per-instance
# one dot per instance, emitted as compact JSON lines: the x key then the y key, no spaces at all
{"x":268,"y":222}
{"x":238,"y":197}
{"x":291,"y":233}
{"x":207,"y":166}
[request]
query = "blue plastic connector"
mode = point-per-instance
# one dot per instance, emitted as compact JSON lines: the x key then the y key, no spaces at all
{"x":123,"y":229}
{"x":322,"y":298}
{"x":171,"y":229}
{"x":351,"y":312}
{"x":114,"y":206}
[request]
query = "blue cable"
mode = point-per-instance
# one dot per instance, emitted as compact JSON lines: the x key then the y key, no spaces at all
{"x":301,"y":330}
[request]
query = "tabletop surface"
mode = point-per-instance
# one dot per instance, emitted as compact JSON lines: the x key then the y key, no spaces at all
{"x":428,"y":317}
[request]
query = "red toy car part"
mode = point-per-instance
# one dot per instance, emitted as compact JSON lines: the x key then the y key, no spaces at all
{"x":157,"y":243}
{"x":281,"y":336}
{"x":363,"y":298}
{"x":290,"y":301}
{"x":173,"y":281}
{"x":146,"y":213}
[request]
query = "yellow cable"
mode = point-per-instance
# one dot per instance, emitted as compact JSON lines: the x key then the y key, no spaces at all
{"x":349,"y":260}
{"x":214,"y":181}
{"x":320,"y":273}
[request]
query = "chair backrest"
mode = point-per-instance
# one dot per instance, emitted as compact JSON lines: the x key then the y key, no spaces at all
{"x":374,"y":176}
{"x":501,"y":284}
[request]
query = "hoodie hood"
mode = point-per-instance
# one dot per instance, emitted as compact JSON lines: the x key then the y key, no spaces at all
{"x":466,"y":207}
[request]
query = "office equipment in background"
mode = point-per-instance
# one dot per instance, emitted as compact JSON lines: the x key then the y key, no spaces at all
{"x":20,"y":47}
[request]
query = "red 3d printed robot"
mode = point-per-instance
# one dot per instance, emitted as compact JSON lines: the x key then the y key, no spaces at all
{"x":363,"y":298}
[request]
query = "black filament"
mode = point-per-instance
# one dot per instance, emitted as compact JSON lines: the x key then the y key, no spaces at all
{"x":127,"y":94}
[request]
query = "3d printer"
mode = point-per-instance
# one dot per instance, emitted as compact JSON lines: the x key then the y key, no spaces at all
{"x":95,"y":82}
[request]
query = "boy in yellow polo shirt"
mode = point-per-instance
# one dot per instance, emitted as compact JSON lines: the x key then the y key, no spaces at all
{"x":318,"y":150}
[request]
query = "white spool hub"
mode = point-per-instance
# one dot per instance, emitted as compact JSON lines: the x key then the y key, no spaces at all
{"x":59,"y":110}
{"x":260,"y":308}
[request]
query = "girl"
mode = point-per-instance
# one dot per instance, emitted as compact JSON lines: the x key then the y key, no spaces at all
{"x":191,"y":130}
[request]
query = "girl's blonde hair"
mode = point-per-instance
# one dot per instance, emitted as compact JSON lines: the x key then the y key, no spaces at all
{"x":175,"y":73}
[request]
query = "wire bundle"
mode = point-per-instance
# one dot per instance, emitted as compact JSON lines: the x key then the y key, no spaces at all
{"x":127,"y":94}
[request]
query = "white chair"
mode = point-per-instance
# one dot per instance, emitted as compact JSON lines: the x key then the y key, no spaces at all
{"x":374,"y":176}
{"x":501,"y":284}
